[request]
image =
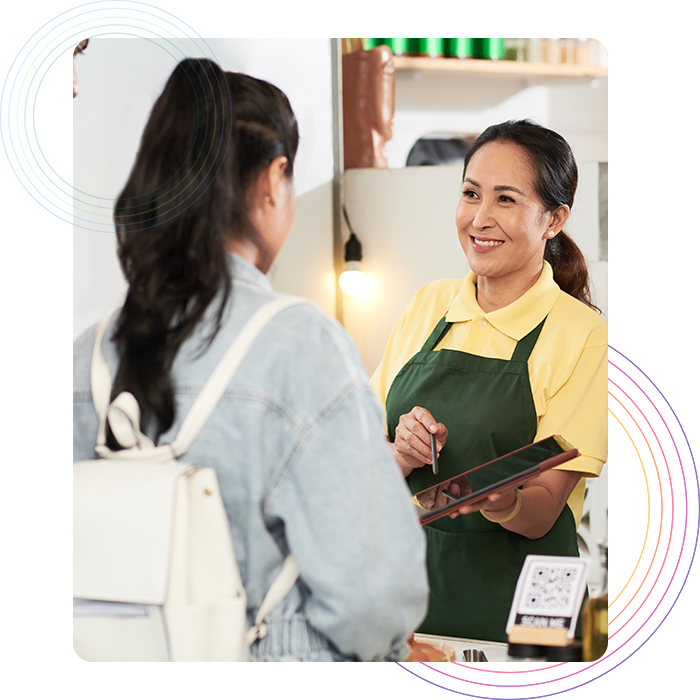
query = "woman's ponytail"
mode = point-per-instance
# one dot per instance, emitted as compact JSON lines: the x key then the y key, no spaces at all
{"x":569,"y":267}
{"x":209,"y":135}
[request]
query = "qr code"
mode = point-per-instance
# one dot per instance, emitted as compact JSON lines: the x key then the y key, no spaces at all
{"x":550,"y":587}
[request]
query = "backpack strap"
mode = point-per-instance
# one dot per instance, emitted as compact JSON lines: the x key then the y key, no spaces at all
{"x":283,"y":583}
{"x":221,"y":377}
{"x":100,"y":382}
{"x":124,"y":418}
{"x":124,"y":415}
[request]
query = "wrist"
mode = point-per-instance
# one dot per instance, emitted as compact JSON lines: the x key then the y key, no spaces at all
{"x":503,"y":515}
{"x":403,"y":466}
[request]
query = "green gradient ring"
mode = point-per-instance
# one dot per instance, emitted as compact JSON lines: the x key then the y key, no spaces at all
{"x":39,"y":108}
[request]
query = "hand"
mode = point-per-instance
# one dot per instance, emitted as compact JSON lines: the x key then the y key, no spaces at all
{"x":435,"y":498}
{"x":412,"y":439}
{"x":495,"y":504}
{"x":416,"y":652}
{"x":425,"y":651}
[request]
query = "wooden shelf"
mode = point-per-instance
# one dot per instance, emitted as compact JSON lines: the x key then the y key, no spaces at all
{"x":504,"y":69}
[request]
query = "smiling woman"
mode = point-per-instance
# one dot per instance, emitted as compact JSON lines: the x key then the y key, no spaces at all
{"x":510,"y":355}
{"x":502,"y":224}
{"x":542,"y":162}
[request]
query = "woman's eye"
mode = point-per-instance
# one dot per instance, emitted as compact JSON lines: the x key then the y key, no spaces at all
{"x":469,"y":194}
{"x":506,"y":199}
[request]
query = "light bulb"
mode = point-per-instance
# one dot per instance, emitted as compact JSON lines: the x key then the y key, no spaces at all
{"x":353,"y":280}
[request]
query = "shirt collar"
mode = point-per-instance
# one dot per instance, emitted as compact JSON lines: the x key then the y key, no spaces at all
{"x":515,"y":320}
{"x":241,"y":269}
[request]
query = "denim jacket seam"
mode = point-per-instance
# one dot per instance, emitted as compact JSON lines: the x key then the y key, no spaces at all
{"x":277,"y":483}
{"x":265,"y":400}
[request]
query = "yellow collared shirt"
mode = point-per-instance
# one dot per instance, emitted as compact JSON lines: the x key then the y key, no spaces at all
{"x":568,"y":366}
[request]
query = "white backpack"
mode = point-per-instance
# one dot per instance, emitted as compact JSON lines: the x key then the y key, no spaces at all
{"x":154,"y":572}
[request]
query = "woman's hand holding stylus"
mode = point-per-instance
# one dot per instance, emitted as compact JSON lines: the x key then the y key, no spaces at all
{"x":412,"y":439}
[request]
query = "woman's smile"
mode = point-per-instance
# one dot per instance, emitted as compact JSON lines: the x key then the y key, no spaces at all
{"x":486,"y":242}
{"x":502,"y":224}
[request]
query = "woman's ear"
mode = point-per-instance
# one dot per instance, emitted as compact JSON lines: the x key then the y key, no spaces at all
{"x":559,"y":217}
{"x":270,"y":180}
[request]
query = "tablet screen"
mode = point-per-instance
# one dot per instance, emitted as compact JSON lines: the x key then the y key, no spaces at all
{"x":502,"y":473}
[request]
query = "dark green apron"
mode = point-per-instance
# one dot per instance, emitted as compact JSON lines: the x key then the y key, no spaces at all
{"x":487,"y":406}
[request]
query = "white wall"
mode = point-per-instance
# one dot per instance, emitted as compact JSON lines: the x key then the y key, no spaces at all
{"x":120,"y":80}
{"x":459,"y":104}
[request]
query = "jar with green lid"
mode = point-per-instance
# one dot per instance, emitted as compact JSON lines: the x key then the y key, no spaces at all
{"x":430,"y":47}
{"x":491,"y":49}
{"x":459,"y":48}
{"x":372,"y":43}
{"x":399,"y":47}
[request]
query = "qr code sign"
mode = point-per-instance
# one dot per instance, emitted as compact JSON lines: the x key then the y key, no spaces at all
{"x":550,"y":588}
{"x":549,"y":593}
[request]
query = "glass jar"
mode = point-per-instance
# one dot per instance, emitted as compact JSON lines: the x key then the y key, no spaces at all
{"x":550,"y":50}
{"x":595,"y":614}
{"x":533,"y":51}
{"x":515,"y":49}
{"x":567,"y":51}
{"x":582,"y":52}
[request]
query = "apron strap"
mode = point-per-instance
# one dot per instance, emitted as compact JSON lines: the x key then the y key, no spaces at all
{"x":525,"y":345}
{"x":437,"y":335}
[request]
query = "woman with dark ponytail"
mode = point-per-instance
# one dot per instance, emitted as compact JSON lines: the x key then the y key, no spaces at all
{"x":513,"y":354}
{"x":207,"y":207}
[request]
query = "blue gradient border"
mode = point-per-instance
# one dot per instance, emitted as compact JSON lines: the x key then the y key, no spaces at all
{"x":22,"y":25}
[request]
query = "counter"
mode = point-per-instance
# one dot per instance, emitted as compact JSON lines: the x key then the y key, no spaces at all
{"x":494,"y":651}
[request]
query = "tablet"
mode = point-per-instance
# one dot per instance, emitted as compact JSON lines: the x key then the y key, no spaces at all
{"x":523,"y":465}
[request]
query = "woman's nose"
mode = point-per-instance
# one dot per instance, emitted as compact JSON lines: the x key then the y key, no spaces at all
{"x":483,"y":218}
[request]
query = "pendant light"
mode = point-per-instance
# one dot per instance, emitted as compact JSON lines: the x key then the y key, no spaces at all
{"x":352,"y":281}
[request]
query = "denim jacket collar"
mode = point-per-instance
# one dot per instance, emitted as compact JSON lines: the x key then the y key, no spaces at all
{"x":241,"y":269}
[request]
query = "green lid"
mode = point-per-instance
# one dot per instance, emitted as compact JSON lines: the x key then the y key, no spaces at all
{"x":430,"y":47}
{"x":371,"y":43}
{"x":493,"y":49}
{"x":398,"y":46}
{"x":459,"y":48}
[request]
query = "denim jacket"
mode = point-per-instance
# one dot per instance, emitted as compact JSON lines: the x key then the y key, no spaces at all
{"x":299,"y":449}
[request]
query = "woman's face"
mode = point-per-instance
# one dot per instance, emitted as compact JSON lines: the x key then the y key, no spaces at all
{"x":502,"y":223}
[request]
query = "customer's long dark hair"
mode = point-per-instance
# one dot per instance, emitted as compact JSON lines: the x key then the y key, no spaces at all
{"x":556,"y":179}
{"x":208,"y":137}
